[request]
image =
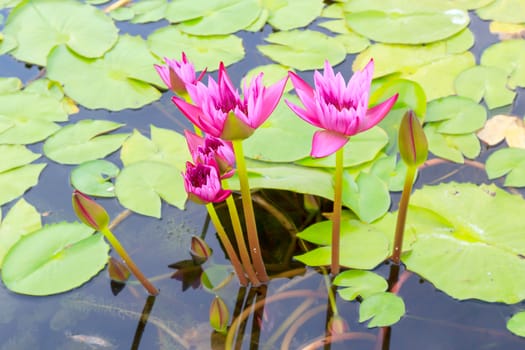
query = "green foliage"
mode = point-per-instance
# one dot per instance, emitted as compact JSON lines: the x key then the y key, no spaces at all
{"x":382,"y":309}
{"x":359,"y":283}
{"x":516,"y":324}
{"x":94,"y":178}
{"x":510,"y":162}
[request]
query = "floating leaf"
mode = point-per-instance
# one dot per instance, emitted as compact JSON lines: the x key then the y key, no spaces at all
{"x":495,"y":129}
{"x":407,"y":27}
{"x":22,"y":219}
{"x":203,"y":52}
{"x":94,"y":178}
{"x":508,"y":55}
{"x":290,"y":14}
{"x":148,"y":10}
{"x":510,"y":162}
{"x":82,"y":141}
{"x":382,"y":309}
{"x":478,"y":254}
{"x":303,"y":49}
{"x":14,"y":156}
{"x":456,"y":115}
{"x":368,"y":196}
{"x":40,"y":25}
{"x":16,"y":181}
{"x":510,"y":11}
{"x":506,"y":31}
{"x":412,"y":5}
{"x":359,"y":283}
{"x":54,"y":259}
{"x":451,"y":147}
{"x":8,"y":85}
{"x":141,"y":186}
{"x":489,"y":83}
{"x":213,"y":17}
{"x":115,"y":82}
{"x":516,"y":324}
{"x":411,"y":95}
{"x":272,"y":73}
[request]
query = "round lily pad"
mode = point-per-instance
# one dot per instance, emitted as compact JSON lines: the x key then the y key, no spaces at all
{"x":94,"y":178}
{"x":509,"y":11}
{"x":456,"y":114}
{"x":54,"y":259}
{"x":508,"y":55}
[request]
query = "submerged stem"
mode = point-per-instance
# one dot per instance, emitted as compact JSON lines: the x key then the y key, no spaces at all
{"x":249,"y":216}
{"x":402,"y":214}
{"x":129,"y":262}
{"x":336,"y":215}
{"x":230,"y":251}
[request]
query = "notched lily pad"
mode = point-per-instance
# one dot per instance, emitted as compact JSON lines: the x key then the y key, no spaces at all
{"x":510,"y":162}
{"x":382,"y":309}
{"x":94,"y":178}
{"x":509,"y":56}
{"x":359,"y":283}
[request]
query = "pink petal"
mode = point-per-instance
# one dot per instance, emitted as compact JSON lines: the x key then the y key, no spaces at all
{"x":221,"y":195}
{"x":271,"y":98}
{"x":191,"y":112}
{"x":375,"y":114}
{"x":193,"y":141}
{"x":326,"y":142}
{"x":305,"y":115}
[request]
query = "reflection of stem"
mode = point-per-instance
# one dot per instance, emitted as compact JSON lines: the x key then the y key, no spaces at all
{"x":246,"y":312}
{"x":323,"y":341}
{"x":241,"y":244}
{"x":436,"y":161}
{"x":227,"y":244}
{"x":402,"y":214}
{"x":116,"y":5}
{"x":336,"y":216}
{"x":249,"y":216}
{"x":288,"y":337}
{"x":142,"y":322}
{"x":120,"y":217}
{"x":129,"y":262}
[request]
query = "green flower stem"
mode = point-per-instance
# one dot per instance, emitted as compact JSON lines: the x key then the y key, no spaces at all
{"x":336,"y":215}
{"x":402,"y":214}
{"x":230,"y":251}
{"x":129,"y":262}
{"x":249,"y":216}
{"x":241,"y":244}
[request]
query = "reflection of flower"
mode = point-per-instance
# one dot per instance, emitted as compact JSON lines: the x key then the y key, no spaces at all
{"x":219,"y":110}
{"x":203,"y":185}
{"x":338,"y":108}
{"x":90,"y":212}
{"x":212,"y":150}
{"x":177,"y":74}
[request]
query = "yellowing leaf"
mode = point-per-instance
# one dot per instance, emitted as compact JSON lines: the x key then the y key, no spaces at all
{"x":507,"y":31}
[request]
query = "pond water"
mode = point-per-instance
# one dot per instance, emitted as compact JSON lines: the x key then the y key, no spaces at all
{"x":93,"y":317}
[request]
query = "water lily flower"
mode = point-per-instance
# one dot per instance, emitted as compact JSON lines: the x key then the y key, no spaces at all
{"x":212,"y":150}
{"x":203,"y":185}
{"x":177,"y":74}
{"x":220,"y":111}
{"x":90,"y":212}
{"x":340,"y":109}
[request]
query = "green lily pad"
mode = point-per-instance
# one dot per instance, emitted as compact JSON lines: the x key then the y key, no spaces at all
{"x":456,"y":115}
{"x":391,"y":171}
{"x":40,"y":25}
{"x":287,"y":131}
{"x":479,"y":253}
{"x":14,"y":156}
{"x":166,"y":146}
{"x":22,"y":219}
{"x":367,"y":196}
{"x":411,"y":95}
{"x":303,"y":49}
{"x":83,"y":141}
{"x":510,"y":162}
{"x":217,"y":17}
{"x":290,"y":14}
{"x":508,"y":55}
{"x":408,"y":27}
{"x":361,"y":148}
{"x":15,"y":182}
{"x":489,"y":83}
{"x":508,"y":11}
{"x":355,"y":236}
{"x":516,"y":324}
{"x":54,"y":259}
{"x":451,"y":147}
{"x":382,"y":309}
{"x":141,"y":186}
{"x":203,"y":52}
{"x":272,"y":73}
{"x":148,"y":11}
{"x":412,"y":5}
{"x":359,"y":283}
{"x":8,"y":85}
{"x":94,"y":178}
{"x":115,"y":82}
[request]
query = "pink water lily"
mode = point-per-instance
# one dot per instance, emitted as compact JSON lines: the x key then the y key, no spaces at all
{"x":177,"y":74}
{"x":203,"y":185}
{"x":212,"y":151}
{"x":340,"y":109}
{"x":220,"y":111}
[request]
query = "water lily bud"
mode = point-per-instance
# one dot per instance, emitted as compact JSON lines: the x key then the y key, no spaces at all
{"x":200,"y":251}
{"x":90,"y":212}
{"x":219,"y":315}
{"x":118,"y":271}
{"x":337,"y":325}
{"x":413,"y":145}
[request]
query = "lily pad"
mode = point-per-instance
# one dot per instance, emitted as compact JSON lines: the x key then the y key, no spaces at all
{"x":516,"y":324}
{"x":489,"y":83}
{"x":510,"y":162}
{"x":509,"y":11}
{"x":94,"y":178}
{"x":14,"y":156}
{"x":217,"y":17}
{"x":141,"y":186}
{"x":203,"y":52}
{"x":367,"y":196}
{"x":82,"y":141}
{"x":54,"y":259}
{"x":382,"y":309}
{"x":290,"y":14}
{"x":15,"y":182}
{"x":508,"y":55}
{"x":408,"y":27}
{"x":451,"y":147}
{"x":476,"y":255}
{"x":115,"y":82}
{"x":8,"y":85}
{"x":456,"y":114}
{"x":303,"y":49}
{"x":22,"y":219}
{"x":40,"y":25}
{"x":359,"y":283}
{"x":412,"y":5}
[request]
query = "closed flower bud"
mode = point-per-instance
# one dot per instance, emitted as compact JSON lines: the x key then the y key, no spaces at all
{"x":90,"y":212}
{"x":413,"y":145}
{"x":219,"y":315}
